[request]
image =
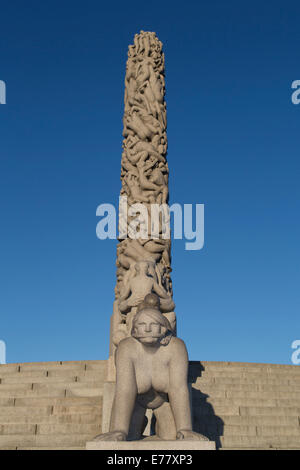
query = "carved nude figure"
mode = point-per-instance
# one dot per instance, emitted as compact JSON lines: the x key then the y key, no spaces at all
{"x":152,"y":368}
{"x":139,"y":286}
{"x":136,"y":149}
{"x":134,"y":189}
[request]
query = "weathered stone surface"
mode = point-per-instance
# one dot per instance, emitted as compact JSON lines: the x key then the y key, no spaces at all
{"x":72,"y":408}
{"x":8,"y":369}
{"x":264,"y":420}
{"x":18,"y":412}
{"x":108,"y":398}
{"x":45,"y":366}
{"x":65,"y":385}
{"x":30,"y":393}
{"x":62,"y":440}
{"x":240,"y":401}
{"x":68,"y":428}
{"x":151,"y":445}
{"x":240,"y":430}
{"x":15,"y":387}
{"x":84,"y":391}
{"x":256,"y":442}
{"x":93,"y":366}
{"x":42,"y":379}
{"x":48,"y":448}
{"x":6,"y":402}
{"x":249,"y":366}
{"x":66,"y":401}
{"x":269,"y":410}
{"x":275,"y":393}
{"x":76,"y":418}
{"x":277,"y":431}
{"x":19,"y":428}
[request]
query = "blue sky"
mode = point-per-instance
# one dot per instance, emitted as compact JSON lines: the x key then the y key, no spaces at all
{"x":233,"y":137}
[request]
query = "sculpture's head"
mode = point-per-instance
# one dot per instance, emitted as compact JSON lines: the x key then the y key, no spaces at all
{"x":151,"y":327}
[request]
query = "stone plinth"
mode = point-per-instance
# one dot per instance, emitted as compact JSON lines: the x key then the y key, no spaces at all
{"x":151,"y":445}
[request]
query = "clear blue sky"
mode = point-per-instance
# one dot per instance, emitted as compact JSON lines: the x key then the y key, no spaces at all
{"x":233,"y":145}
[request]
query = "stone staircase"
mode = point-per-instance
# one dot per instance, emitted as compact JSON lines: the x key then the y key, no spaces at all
{"x":58,"y":405}
{"x":247,"y":405}
{"x":50,"y":405}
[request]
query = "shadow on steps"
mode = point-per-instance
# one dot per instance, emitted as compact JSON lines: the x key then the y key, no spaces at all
{"x":205,"y":421}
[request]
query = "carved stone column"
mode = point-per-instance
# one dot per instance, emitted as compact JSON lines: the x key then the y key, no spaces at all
{"x":143,"y":259}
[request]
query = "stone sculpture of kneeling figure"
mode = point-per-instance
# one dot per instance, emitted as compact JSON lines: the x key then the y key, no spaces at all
{"x":151,"y":368}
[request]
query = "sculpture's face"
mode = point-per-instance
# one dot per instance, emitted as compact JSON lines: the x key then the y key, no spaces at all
{"x":147,"y":331}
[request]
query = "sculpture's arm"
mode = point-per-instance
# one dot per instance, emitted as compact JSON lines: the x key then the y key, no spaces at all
{"x":159,"y":290}
{"x":126,"y":388}
{"x":126,"y":292}
{"x":128,"y":166}
{"x":144,"y":183}
{"x":178,"y":388}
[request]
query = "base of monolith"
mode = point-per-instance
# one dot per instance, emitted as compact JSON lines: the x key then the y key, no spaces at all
{"x":151,"y":445}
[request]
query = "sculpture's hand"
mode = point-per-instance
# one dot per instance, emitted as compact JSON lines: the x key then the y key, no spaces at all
{"x":190,"y":436}
{"x":111,"y":436}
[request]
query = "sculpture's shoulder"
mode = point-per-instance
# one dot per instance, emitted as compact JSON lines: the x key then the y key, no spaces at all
{"x":127,"y":345}
{"x":177,"y":345}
